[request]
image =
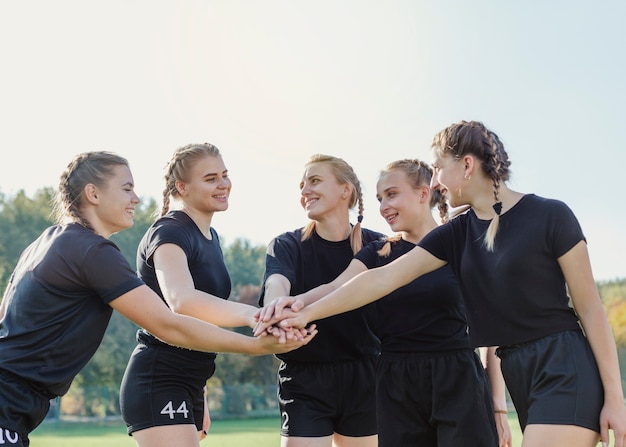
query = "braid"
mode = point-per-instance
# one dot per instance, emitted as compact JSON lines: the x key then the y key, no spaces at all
{"x":177,"y":169}
{"x":85,"y":168}
{"x":356,"y":239}
{"x":344,"y":174}
{"x":472,"y":137}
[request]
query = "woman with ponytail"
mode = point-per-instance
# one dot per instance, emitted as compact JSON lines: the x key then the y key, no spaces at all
{"x":326,"y":393}
{"x":519,"y":259}
{"x":431,"y":388}
{"x":66,"y":284}
{"x":180,"y":258}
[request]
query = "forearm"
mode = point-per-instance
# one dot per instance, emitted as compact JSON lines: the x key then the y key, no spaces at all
{"x":359,"y":291}
{"x":498,"y":387}
{"x":191,"y":333}
{"x":217,"y":311}
{"x":602,"y":343}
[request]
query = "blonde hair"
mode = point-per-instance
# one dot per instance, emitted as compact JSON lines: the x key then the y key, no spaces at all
{"x":177,"y":169}
{"x":419,"y":174}
{"x":472,"y":137}
{"x":87,"y":167}
{"x":344,"y":174}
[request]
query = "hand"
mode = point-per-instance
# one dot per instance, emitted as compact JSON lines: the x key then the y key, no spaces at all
{"x":294,"y":320}
{"x":505,"y":438}
{"x":613,"y":416}
{"x":282,"y":334}
{"x":275,"y":308}
{"x":268,"y":322}
{"x":273,"y":345}
{"x":206,"y":420}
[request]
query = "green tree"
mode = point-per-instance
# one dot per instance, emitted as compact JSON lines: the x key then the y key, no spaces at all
{"x":245,"y":262}
{"x":21,"y":221}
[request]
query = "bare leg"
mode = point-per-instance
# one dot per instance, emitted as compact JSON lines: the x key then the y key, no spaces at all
{"x":184,"y":435}
{"x":544,"y":435}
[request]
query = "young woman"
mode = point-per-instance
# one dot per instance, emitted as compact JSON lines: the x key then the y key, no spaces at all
{"x":180,"y":258}
{"x":326,"y":393}
{"x":64,"y":288}
{"x":423,"y":332}
{"x":516,"y":256}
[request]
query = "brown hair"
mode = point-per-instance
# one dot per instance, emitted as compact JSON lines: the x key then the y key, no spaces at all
{"x":344,"y":173}
{"x":177,"y":169}
{"x":419,"y":174}
{"x":87,"y":167}
{"x":472,"y":137}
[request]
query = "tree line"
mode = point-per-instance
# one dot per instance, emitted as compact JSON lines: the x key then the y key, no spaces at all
{"x":23,"y":218}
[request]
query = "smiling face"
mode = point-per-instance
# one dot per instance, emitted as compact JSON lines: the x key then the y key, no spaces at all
{"x":208,"y":186}
{"x":321,"y":193}
{"x":401,"y":205}
{"x":448,"y":178}
{"x":116,"y":202}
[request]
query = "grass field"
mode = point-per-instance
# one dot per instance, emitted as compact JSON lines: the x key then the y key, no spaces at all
{"x":223,"y":433}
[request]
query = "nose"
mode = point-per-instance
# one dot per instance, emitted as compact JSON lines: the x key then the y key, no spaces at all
{"x":135,"y":198}
{"x":434,"y":182}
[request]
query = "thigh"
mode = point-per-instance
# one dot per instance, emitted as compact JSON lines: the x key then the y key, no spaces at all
{"x":554,"y":381}
{"x":539,"y":435}
{"x":306,"y":401}
{"x":167,"y":436}
{"x":462,"y":401}
{"x":21,"y":410}
{"x":155,"y":393}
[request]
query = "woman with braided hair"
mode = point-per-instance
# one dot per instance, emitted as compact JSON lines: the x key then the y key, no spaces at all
{"x":65,"y":286}
{"x":326,"y":394}
{"x":431,"y":388}
{"x":516,"y":256}
{"x":180,"y":258}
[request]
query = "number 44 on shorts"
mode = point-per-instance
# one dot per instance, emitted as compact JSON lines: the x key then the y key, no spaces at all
{"x":169,"y":410}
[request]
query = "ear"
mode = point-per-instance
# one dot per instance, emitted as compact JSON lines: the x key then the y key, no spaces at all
{"x":181,"y":187}
{"x":424,"y":193}
{"x":91,"y":193}
{"x":469,"y":163}
{"x":347,"y":190}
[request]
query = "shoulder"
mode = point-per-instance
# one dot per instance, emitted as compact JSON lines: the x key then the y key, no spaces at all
{"x":370,"y":235}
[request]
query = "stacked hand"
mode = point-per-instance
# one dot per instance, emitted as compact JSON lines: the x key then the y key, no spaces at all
{"x":281,"y":319}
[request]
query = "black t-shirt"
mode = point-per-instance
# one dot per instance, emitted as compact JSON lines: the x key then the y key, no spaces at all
{"x":58,"y":304}
{"x":426,"y":315}
{"x":516,"y":293}
{"x":308,"y":264}
{"x":204,"y":256}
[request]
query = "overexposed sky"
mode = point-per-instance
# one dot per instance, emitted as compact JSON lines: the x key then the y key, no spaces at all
{"x":273,"y":82}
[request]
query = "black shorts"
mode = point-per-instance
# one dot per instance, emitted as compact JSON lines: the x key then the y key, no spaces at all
{"x":22,"y":409}
{"x":320,"y":399}
{"x":163,"y":385}
{"x":554,"y":380}
{"x":432,"y":400}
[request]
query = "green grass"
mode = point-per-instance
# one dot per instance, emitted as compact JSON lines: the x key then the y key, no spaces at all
{"x":223,"y":433}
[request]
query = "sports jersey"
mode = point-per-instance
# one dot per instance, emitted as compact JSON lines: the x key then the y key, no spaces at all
{"x":205,"y":259}
{"x":58,"y":304}
{"x":426,"y":315}
{"x":516,"y":293}
{"x":308,"y":264}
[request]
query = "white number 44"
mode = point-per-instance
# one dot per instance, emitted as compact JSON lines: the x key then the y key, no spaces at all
{"x":169,"y":409}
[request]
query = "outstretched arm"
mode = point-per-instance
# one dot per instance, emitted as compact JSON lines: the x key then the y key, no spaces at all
{"x":177,"y":286}
{"x":367,"y":287}
{"x":146,"y":309}
{"x":274,"y":310}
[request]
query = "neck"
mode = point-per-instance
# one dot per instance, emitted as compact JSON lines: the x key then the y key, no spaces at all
{"x":202,"y":220}
{"x":333,"y":230}
{"x":483,"y":207}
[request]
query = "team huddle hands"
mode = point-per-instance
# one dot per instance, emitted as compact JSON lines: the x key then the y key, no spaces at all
{"x":283,"y":319}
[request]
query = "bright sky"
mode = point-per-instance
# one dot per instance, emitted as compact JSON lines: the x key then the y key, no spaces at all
{"x":273,"y":82}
